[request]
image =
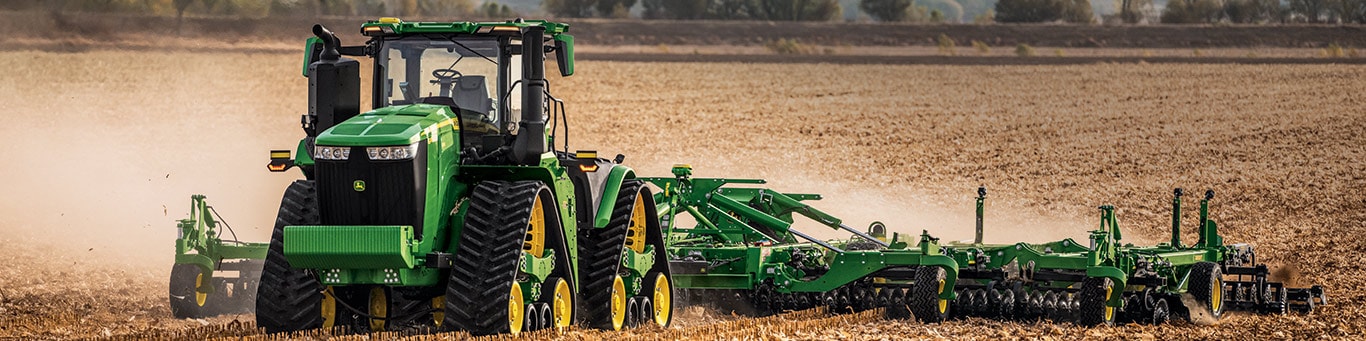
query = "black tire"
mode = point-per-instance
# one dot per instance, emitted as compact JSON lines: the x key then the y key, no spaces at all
{"x":1093,"y":310}
{"x":1161,"y":312}
{"x":924,"y":295}
{"x":632,"y":312}
{"x":600,"y":253}
{"x":1207,"y":286}
{"x":182,"y":292}
{"x":290,"y":299}
{"x":488,"y":257}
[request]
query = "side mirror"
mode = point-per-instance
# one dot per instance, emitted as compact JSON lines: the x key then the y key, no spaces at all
{"x":564,"y":54}
{"x":313,"y":49}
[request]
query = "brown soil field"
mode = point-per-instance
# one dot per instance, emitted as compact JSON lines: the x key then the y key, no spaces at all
{"x":102,"y":149}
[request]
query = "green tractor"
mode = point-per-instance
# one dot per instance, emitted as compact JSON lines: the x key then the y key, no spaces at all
{"x":447,"y":206}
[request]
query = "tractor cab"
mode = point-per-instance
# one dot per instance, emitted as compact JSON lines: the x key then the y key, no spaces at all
{"x":475,"y":69}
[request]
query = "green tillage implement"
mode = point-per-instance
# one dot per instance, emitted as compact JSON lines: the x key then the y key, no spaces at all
{"x":744,"y":246}
{"x":1104,"y":281}
{"x":740,"y":249}
{"x":202,"y":253}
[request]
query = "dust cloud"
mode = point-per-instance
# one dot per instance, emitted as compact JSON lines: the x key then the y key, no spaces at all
{"x":102,"y":150}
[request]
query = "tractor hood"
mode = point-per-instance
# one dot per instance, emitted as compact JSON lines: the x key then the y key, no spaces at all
{"x":389,"y":126}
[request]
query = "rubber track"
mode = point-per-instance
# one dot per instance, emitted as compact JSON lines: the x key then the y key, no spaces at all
{"x":289,"y":299}
{"x":924,"y":295}
{"x":1093,"y":298}
{"x":1203,"y":277}
{"x":600,"y":258}
{"x":488,"y":254}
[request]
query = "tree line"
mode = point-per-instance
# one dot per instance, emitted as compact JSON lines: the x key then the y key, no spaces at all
{"x":1006,"y":11}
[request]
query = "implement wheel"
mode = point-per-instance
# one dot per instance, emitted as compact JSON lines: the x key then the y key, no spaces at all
{"x":1093,"y":311}
{"x":924,"y":295}
{"x":483,"y":295}
{"x":186,"y":301}
{"x":1207,"y":286}
{"x":290,"y":299}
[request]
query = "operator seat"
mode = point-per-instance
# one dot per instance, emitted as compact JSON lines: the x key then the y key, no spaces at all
{"x":471,"y":93}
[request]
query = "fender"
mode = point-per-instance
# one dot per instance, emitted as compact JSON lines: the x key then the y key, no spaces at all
{"x":1116,"y":275}
{"x":205,"y":265}
{"x":610,"y":189}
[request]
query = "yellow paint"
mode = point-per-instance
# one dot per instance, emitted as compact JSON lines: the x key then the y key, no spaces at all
{"x":329,"y":308}
{"x":516,"y":313}
{"x":635,"y":231}
{"x":379,"y":307}
{"x":943,"y":303}
{"x":199,"y":297}
{"x":562,"y":305}
{"x":439,"y":316}
{"x":534,"y":242}
{"x":663,"y":299}
{"x":618,"y":303}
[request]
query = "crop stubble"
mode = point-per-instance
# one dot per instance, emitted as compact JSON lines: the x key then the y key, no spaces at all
{"x":87,"y":247}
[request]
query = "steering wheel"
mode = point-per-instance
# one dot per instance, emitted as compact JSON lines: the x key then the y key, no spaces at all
{"x":445,"y":75}
{"x":445,"y":78}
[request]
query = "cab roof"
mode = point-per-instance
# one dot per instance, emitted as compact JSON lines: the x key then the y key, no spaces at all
{"x":395,"y":26}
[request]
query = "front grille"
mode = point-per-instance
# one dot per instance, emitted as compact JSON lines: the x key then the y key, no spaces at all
{"x":394,"y":194}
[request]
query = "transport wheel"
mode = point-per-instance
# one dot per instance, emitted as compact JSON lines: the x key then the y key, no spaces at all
{"x":186,"y":301}
{"x":483,"y":296}
{"x":661,"y":292}
{"x":630,"y":228}
{"x":290,"y":299}
{"x":1093,"y":311}
{"x":924,"y":297}
{"x":1207,"y":286}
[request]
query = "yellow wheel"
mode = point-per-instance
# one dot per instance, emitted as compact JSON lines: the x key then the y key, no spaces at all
{"x":635,"y":230}
{"x":943,"y":303}
{"x":562,"y":305}
{"x":534,"y":242}
{"x":199,"y":297}
{"x":516,"y":310}
{"x":1109,"y":311}
{"x":329,"y":308}
{"x":439,"y":303}
{"x":379,"y":308}
{"x":1217,"y":296}
{"x":618,"y":303}
{"x":663,"y":300}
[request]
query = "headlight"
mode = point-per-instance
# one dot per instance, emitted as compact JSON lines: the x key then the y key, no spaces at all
{"x":392,"y":152}
{"x":331,"y":153}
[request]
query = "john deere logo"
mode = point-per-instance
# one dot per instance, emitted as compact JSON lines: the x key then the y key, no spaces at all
{"x":359,"y":185}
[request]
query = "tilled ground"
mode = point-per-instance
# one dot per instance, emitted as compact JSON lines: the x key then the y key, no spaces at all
{"x":111,"y":143}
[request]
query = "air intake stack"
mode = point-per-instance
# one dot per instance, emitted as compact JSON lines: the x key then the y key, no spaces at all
{"x":333,"y":85}
{"x":530,"y":143}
